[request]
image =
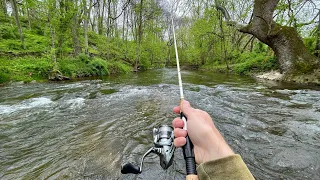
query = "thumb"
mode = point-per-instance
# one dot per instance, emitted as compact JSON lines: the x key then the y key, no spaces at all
{"x":186,"y":108}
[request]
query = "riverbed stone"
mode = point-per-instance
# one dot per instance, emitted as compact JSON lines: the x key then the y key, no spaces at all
{"x":293,"y":158}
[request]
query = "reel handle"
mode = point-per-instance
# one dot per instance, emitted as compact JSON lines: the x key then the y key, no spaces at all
{"x":130,"y":168}
{"x":188,"y":152}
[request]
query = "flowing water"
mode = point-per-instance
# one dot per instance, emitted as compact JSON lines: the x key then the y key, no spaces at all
{"x":87,"y":129}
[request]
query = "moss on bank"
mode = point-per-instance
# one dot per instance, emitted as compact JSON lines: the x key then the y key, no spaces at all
{"x":38,"y":68}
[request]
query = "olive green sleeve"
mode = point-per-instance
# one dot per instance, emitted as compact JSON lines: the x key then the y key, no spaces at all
{"x":228,"y":168}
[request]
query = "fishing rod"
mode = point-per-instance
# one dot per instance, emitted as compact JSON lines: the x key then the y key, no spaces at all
{"x":188,"y":152}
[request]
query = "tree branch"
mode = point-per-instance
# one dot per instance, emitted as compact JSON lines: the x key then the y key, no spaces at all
{"x":310,"y":22}
{"x":239,"y":26}
{"x":123,"y":8}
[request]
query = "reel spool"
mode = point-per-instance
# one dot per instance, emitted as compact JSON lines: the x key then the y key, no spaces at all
{"x":163,"y":146}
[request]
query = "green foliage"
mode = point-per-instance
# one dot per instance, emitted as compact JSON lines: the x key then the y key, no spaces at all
{"x":310,"y":43}
{"x":30,"y":68}
{"x":71,"y":67}
{"x":4,"y":75}
{"x":83,"y":58}
{"x":8,"y":32}
{"x":255,"y":62}
{"x":25,"y":69}
{"x":117,"y":67}
{"x":37,"y":66}
{"x":99,"y":67}
{"x":10,"y":40}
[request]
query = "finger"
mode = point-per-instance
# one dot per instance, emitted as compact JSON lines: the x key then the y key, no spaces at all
{"x":179,"y":132}
{"x":177,"y":123}
{"x":176,"y":109}
{"x":185,"y":107}
{"x":180,"y":141}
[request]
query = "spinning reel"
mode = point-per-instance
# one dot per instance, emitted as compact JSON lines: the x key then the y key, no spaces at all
{"x":163,"y":146}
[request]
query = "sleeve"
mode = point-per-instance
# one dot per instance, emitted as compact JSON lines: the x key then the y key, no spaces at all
{"x":228,"y":168}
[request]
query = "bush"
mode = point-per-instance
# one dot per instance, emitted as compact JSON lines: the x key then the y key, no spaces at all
{"x":117,"y":67}
{"x":4,"y":75}
{"x":38,"y":67}
{"x":8,"y":32}
{"x":24,"y":69}
{"x":83,"y":57}
{"x":99,"y":67}
{"x":73,"y":67}
{"x":255,"y":62}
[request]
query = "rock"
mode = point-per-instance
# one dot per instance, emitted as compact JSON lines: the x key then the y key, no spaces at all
{"x":273,"y":75}
{"x":312,"y":78}
{"x":56,"y":75}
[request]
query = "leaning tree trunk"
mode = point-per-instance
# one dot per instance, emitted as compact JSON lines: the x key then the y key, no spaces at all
{"x":293,"y":56}
{"x":288,"y":46}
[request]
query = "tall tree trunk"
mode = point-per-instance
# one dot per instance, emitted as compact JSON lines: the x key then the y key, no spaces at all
{"x":85,"y":24}
{"x":123,"y":23}
{"x":63,"y":25}
{"x":16,"y":17}
{"x":140,"y":32}
{"x":109,"y":19}
{"x":29,"y":19}
{"x":52,"y":33}
{"x":223,"y":44}
{"x":75,"y":33}
{"x":53,"y":36}
{"x":100,"y":18}
{"x":28,"y":13}
{"x":293,"y":56}
{"x":317,"y":50}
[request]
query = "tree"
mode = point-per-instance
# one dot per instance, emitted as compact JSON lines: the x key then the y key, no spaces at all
{"x":16,"y":17}
{"x":292,"y":54}
{"x":86,"y":12}
{"x":75,"y":27}
{"x":139,"y":35}
{"x":317,"y":50}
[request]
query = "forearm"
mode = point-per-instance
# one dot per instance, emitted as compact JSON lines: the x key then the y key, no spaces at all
{"x":230,"y":167}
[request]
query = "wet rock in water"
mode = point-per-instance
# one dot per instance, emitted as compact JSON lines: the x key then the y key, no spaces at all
{"x":56,"y":75}
{"x":257,"y":138}
{"x":194,"y":88}
{"x":292,"y":159}
{"x":276,"y":130}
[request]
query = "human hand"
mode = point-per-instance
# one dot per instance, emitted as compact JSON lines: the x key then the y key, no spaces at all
{"x":207,"y":141}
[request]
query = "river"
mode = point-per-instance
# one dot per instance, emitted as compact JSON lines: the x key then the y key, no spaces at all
{"x":86,"y":129}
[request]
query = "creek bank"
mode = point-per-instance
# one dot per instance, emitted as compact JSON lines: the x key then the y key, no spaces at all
{"x":271,"y":74}
{"x":31,"y":68}
{"x":275,"y":75}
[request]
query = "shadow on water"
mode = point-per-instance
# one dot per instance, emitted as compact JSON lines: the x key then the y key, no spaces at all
{"x":86,"y":129}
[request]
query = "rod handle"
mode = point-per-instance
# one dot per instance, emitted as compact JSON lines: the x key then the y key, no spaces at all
{"x":191,"y":177}
{"x":188,"y":153}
